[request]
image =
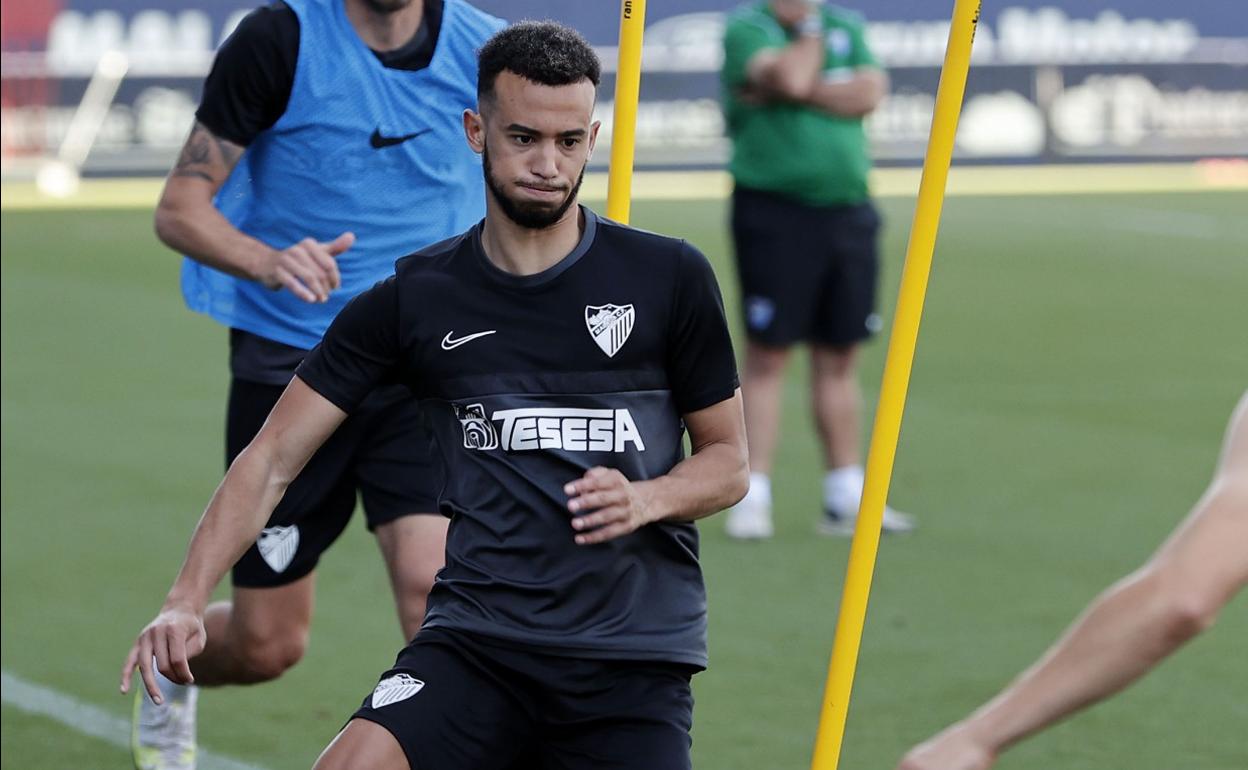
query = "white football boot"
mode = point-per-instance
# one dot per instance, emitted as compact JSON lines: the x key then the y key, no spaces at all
{"x":163,"y":737}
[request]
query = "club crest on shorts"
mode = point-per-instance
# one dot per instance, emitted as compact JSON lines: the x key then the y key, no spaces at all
{"x":277,"y":546}
{"x":395,"y":688}
{"x":759,"y":312}
{"x":610,"y":325}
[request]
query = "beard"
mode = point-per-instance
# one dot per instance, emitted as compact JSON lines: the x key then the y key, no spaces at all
{"x":533,"y":215}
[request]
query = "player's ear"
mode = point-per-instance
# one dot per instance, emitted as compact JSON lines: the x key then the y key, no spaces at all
{"x":593,"y":134}
{"x":474,"y":131}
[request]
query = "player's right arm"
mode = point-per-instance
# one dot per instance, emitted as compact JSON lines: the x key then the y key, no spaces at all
{"x":300,"y":422}
{"x":1127,"y":630}
{"x":188,"y":222}
{"x":245,"y":94}
{"x":361,"y":349}
{"x":702,"y":374}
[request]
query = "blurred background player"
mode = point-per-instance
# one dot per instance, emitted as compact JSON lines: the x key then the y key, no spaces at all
{"x":798,"y":79}
{"x":1127,"y":630}
{"x":327,"y":144}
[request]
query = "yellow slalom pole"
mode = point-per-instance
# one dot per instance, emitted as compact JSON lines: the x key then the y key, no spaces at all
{"x":624,"y":128}
{"x":905,"y":332}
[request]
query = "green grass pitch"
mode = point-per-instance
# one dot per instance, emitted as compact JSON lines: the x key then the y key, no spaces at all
{"x":1078,"y":358}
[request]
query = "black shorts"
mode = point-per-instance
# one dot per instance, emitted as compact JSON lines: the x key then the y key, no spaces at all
{"x":457,"y":701}
{"x":808,"y":273}
{"x":384,"y":450}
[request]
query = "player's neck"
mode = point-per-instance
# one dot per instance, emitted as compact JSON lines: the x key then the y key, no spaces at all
{"x":385,"y":31}
{"x":523,"y":250}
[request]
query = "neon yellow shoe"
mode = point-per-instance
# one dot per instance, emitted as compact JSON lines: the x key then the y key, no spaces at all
{"x":163,"y":737}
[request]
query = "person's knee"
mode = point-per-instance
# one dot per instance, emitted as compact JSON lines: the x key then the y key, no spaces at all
{"x":267,"y":631}
{"x":835,"y":362}
{"x":266,"y":655}
{"x":765,"y":361}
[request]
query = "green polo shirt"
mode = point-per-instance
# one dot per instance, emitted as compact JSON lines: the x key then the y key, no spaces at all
{"x":795,"y":150}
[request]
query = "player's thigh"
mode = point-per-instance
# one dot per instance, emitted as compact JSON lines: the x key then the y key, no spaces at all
{"x":396,"y":465}
{"x":363,"y":745}
{"x":269,"y":616}
{"x":448,"y":708}
{"x":639,"y":717}
{"x":414,"y":547}
{"x":834,"y":362}
{"x":846,"y":308}
{"x":315,"y":508}
{"x":778,"y":270}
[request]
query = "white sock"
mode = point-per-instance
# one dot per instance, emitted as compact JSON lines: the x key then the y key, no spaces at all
{"x":760,"y":490}
{"x":842,"y":489}
{"x":171,"y":690}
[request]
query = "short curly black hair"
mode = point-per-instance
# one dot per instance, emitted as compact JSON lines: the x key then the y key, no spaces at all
{"x":544,"y":52}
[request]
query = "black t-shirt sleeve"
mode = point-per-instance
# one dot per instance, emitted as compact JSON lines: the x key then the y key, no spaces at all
{"x":249,"y":86}
{"x":361,"y":349}
{"x":701,"y":366}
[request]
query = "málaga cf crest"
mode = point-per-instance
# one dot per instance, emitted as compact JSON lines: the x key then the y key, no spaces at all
{"x":610,"y":325}
{"x":396,"y":688}
{"x":277,"y":546}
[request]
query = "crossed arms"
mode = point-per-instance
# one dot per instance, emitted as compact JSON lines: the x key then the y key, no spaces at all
{"x":794,"y":74}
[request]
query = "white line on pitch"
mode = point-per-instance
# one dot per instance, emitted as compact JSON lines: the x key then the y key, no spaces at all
{"x":89,"y":720}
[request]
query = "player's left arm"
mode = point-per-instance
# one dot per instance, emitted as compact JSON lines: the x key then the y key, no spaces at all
{"x":702,"y":372}
{"x":713,"y":477}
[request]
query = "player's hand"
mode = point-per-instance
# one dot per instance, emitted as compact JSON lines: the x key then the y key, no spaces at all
{"x":605,"y":505}
{"x":172,"y":639}
{"x":954,"y":749}
{"x":309,"y":268}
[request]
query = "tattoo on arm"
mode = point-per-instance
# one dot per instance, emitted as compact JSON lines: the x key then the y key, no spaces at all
{"x":196,"y":155}
{"x":206,"y":156}
{"x":230,"y":152}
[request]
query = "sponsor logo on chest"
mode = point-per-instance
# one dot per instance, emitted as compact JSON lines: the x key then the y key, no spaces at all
{"x":569,"y":429}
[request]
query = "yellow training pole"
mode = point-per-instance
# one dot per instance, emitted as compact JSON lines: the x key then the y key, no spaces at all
{"x":624,"y":128}
{"x":897,"y":366}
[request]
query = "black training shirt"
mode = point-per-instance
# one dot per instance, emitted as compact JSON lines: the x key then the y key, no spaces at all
{"x":529,"y":382}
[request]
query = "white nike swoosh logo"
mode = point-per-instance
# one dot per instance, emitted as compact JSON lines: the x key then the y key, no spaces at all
{"x":448,"y":343}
